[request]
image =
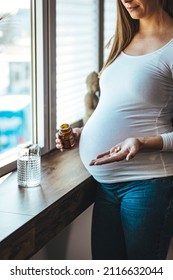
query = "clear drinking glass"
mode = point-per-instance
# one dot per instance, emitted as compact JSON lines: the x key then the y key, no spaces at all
{"x":29,"y":166}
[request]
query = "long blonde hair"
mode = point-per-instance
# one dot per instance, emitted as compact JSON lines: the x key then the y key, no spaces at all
{"x":126,"y":28}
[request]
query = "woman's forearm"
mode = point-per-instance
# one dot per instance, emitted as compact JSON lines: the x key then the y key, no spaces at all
{"x":151,"y":143}
{"x":162,"y":142}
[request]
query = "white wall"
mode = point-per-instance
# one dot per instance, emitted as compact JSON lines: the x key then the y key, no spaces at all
{"x":72,"y":243}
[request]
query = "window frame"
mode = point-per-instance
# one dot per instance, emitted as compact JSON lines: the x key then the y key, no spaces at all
{"x":39,"y":84}
{"x":44,"y":73}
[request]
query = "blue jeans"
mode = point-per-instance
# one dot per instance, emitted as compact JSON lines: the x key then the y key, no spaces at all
{"x":133,"y":220}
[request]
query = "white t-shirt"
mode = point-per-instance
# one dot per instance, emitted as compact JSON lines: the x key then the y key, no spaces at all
{"x":136,"y":101}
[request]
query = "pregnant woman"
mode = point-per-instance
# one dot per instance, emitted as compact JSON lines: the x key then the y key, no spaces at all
{"x":127,"y":144}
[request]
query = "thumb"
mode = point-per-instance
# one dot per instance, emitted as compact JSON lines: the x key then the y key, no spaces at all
{"x":131,"y":153}
{"x":76,"y":133}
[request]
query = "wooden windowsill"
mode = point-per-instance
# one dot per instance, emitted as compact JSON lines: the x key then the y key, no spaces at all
{"x":30,"y":217}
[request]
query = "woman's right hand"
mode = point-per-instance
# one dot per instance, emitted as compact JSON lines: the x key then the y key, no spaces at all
{"x":76,"y":132}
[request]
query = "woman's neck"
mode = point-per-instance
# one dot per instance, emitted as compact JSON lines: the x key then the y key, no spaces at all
{"x":157,"y":24}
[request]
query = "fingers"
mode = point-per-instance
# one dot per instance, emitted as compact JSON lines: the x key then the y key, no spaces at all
{"x":103,"y":154}
{"x":107,"y":153}
{"x":77,"y":132}
{"x":107,"y":157}
{"x":99,"y":158}
{"x":58,"y":141}
{"x":76,"y":135}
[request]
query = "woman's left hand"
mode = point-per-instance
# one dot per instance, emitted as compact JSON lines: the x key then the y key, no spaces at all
{"x":124,"y":150}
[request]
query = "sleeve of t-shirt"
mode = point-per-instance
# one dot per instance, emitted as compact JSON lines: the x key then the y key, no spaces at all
{"x":168,"y":137}
{"x":167,"y":141}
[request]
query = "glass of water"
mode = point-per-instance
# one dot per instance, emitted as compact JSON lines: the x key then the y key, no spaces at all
{"x":29,"y":166}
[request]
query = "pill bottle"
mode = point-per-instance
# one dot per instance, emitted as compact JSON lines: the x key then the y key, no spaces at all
{"x":66,"y":136}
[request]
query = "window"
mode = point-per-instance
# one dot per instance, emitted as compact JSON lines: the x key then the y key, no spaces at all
{"x":77,"y":55}
{"x":109,"y":23}
{"x":22,"y":103}
{"x":47,"y":49}
{"x":15,"y":65}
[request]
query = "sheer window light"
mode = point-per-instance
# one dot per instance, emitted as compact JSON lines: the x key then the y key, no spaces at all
{"x":109,"y":23}
{"x":77,"y":55}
